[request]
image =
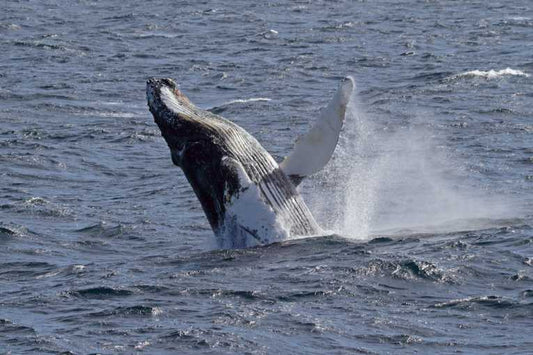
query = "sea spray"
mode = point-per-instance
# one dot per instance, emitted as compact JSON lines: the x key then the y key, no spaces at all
{"x":345,"y":196}
{"x":387,"y":179}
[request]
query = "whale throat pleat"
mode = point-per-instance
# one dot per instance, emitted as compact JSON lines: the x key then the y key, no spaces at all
{"x":275,"y":187}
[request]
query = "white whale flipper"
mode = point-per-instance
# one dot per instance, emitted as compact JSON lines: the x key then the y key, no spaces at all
{"x":313,"y":150}
{"x":249,"y":221}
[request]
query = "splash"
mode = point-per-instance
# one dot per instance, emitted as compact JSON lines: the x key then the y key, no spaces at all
{"x":386,"y":179}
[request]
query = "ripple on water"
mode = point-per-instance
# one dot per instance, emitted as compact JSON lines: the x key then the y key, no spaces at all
{"x":130,"y":311}
{"x":491,"y":302}
{"x":101,"y":292}
{"x":103,"y":230}
{"x":409,"y":269}
{"x":23,"y":271}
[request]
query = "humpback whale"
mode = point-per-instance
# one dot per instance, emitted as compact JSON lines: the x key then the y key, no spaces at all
{"x":248,"y":198}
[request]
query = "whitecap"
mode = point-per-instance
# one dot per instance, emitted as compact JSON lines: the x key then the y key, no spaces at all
{"x":243,"y":101}
{"x":35,"y":201}
{"x":156,"y":311}
{"x":223,"y":107}
{"x":492,"y":74}
{"x":78,"y":267}
{"x":141,"y":345}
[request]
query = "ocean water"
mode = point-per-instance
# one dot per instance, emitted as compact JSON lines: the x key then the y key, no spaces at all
{"x":105,"y":249}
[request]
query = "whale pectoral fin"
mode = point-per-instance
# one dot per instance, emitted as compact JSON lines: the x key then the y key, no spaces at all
{"x":313,"y":150}
{"x":248,"y":216}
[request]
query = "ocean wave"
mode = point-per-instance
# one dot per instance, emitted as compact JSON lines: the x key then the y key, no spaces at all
{"x":22,"y":271}
{"x":253,"y":99}
{"x":223,"y":107}
{"x":9,"y":26}
{"x":490,"y":74}
{"x":137,"y":136}
{"x":39,"y":206}
{"x":472,"y":302}
{"x":408,"y":269}
{"x":7,"y":232}
{"x":124,"y":311}
{"x":103,"y":230}
{"x":8,"y":326}
{"x":102,"y":292}
{"x":13,"y":230}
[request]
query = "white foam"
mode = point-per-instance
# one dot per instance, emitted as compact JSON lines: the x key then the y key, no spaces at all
{"x":519,"y":18}
{"x":78,"y":267}
{"x":239,"y":101}
{"x":492,"y":74}
{"x":243,"y":101}
{"x":406,"y":179}
{"x":141,"y":345}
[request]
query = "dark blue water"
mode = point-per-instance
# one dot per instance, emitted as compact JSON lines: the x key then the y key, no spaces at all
{"x":105,"y":249}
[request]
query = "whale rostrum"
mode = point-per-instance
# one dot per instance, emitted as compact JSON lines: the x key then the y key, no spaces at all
{"x":247,"y":197}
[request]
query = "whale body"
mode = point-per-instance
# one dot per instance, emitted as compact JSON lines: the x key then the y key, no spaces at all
{"x":248,"y":198}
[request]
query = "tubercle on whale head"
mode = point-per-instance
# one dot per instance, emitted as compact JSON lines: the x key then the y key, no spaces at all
{"x":160,"y":91}
{"x":154,"y":89}
{"x":169,"y":106}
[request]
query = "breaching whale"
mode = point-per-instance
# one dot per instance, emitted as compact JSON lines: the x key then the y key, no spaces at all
{"x":249,"y":199}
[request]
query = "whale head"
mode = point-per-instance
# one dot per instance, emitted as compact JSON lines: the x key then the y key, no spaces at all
{"x":182,"y":124}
